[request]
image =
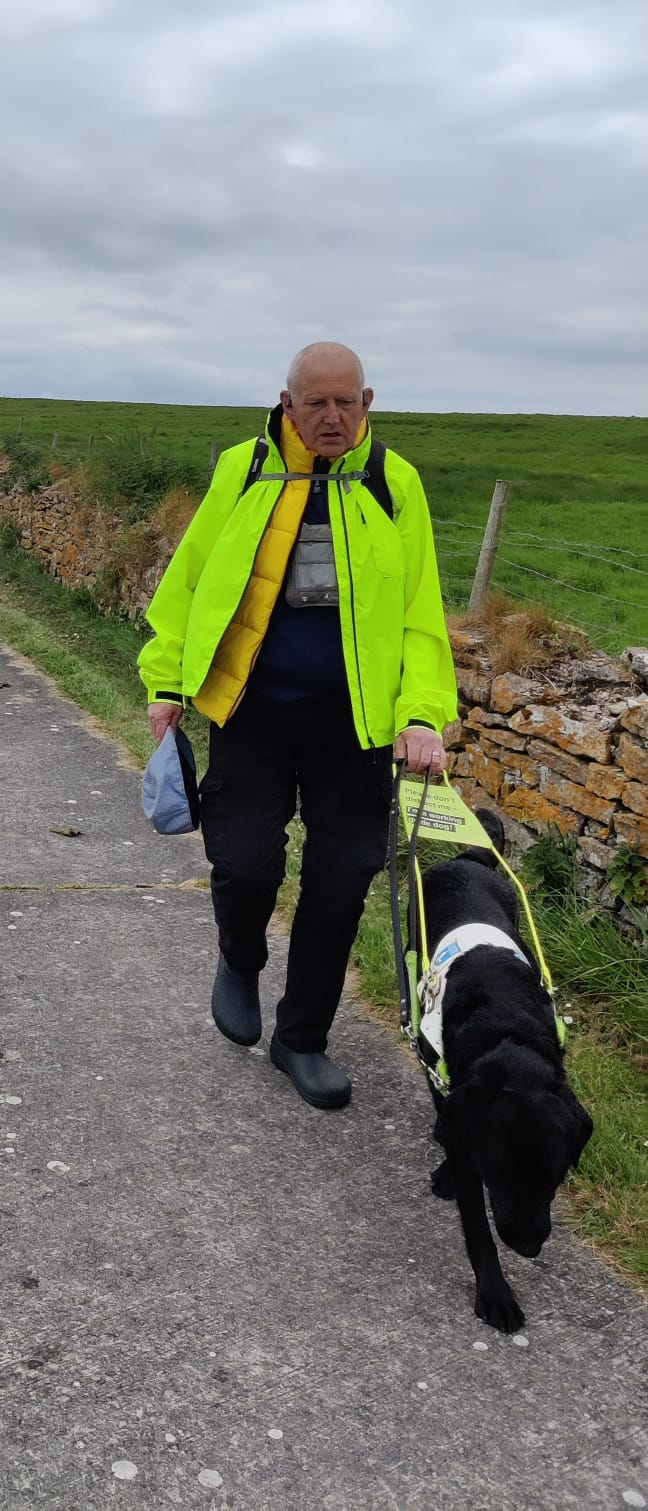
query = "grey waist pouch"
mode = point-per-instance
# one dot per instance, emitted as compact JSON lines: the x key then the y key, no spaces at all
{"x":312,"y":578}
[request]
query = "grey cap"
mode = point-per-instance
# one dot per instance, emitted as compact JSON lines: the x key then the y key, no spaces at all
{"x":169,"y":786}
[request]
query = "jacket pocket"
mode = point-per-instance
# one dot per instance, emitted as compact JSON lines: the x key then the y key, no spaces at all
{"x":381,"y":543}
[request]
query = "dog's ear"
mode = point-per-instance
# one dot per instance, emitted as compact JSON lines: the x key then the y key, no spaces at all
{"x":457,"y":1115}
{"x":580,"y":1128}
{"x":492,"y":823}
{"x":463,"y":1112}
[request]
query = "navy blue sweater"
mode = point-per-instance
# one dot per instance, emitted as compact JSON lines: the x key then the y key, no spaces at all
{"x":301,"y":655}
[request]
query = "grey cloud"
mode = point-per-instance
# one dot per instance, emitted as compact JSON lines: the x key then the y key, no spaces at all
{"x":190,"y":196}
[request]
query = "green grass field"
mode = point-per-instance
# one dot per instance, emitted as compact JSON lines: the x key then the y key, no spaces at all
{"x":576,"y":532}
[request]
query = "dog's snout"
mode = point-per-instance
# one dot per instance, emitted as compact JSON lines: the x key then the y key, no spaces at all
{"x":526,"y":1242}
{"x":529,"y":1248}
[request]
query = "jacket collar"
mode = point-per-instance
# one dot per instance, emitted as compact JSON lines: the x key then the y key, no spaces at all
{"x":277,"y":436}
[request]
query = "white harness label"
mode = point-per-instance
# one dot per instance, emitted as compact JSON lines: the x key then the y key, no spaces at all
{"x":431,"y":988}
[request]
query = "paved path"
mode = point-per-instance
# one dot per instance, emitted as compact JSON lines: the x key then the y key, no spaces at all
{"x":200,"y":1273}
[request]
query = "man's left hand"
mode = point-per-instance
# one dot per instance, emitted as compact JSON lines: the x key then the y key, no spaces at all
{"x":420,"y":748}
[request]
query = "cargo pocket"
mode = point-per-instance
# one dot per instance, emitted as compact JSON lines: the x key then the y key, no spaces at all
{"x":209,"y":794}
{"x":210,"y":784}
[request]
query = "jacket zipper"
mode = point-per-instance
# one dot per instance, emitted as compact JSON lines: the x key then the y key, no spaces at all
{"x":353,"y":618}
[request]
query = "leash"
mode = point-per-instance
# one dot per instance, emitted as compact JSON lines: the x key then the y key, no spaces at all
{"x":417,"y":982}
{"x":413,"y":962}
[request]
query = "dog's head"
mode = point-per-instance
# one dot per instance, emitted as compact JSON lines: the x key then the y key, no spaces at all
{"x":522,"y":1128}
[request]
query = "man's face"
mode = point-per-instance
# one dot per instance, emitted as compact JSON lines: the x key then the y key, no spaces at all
{"x":327,"y":405}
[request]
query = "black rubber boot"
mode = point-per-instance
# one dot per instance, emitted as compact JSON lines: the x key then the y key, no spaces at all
{"x":235,"y":1005}
{"x":317,"y":1080}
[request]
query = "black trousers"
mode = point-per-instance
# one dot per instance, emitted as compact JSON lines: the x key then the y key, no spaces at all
{"x":263,"y":756}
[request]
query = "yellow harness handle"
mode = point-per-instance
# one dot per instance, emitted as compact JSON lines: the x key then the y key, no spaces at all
{"x":425,"y":957}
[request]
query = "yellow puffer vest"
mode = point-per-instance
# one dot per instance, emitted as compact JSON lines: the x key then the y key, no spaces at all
{"x":228,"y":676}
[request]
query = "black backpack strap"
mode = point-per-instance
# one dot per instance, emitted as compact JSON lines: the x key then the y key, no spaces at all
{"x":258,"y":458}
{"x":376,"y":480}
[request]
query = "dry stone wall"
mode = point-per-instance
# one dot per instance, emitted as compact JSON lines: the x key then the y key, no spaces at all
{"x":88,"y":547}
{"x":566,"y":746}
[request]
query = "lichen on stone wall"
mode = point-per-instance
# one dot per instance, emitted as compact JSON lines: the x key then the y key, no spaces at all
{"x":565,"y":745}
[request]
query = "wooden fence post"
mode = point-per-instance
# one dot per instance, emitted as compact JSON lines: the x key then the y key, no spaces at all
{"x":213,"y":455}
{"x":54,"y":440}
{"x":20,"y":423}
{"x":486,"y":563}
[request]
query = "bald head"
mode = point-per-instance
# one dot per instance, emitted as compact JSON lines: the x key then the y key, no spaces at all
{"x":326,"y":398}
{"x":329,"y":356}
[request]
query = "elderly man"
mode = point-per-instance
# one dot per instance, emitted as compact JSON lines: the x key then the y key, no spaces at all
{"x":302,"y":614}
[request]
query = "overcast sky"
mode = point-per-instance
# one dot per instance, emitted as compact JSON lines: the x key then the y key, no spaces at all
{"x":191,"y":192}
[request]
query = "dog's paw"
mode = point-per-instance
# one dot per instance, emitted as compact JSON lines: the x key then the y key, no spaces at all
{"x":496,"y":1305}
{"x":442,"y":1183}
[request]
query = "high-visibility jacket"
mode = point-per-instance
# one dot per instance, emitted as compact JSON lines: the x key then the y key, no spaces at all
{"x":396,"y":651}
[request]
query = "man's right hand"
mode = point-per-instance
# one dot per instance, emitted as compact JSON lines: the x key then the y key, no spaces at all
{"x":162,"y":716}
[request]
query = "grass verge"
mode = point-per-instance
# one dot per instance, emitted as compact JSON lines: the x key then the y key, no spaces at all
{"x":92,"y":659}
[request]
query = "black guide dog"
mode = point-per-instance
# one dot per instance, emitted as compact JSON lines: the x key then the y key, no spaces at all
{"x":510,"y":1123}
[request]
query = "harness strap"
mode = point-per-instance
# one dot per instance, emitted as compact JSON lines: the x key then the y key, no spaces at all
{"x":410,"y":962}
{"x":413,"y":964}
{"x":394,"y":898}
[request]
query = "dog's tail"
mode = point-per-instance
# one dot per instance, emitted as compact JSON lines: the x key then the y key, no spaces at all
{"x":492,"y":823}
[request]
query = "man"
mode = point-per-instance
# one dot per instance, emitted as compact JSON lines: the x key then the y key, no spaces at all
{"x":302,"y":614}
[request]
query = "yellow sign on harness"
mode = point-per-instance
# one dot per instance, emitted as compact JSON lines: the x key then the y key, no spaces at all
{"x":444,"y":817}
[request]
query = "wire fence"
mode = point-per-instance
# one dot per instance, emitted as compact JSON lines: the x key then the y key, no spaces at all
{"x":523,"y":571}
